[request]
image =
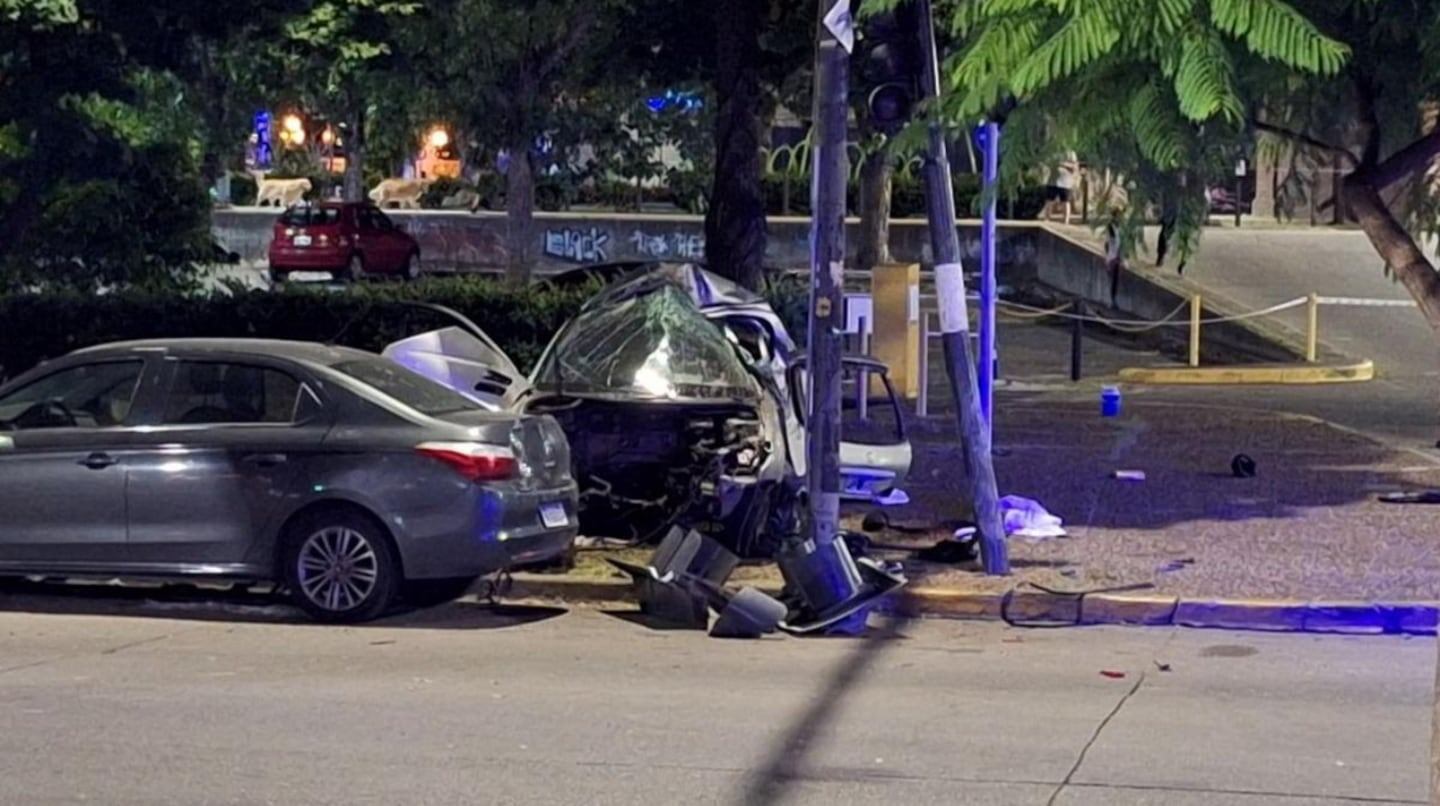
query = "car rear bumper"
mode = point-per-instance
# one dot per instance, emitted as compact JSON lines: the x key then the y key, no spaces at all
{"x":504,"y":529}
{"x":285,"y":258}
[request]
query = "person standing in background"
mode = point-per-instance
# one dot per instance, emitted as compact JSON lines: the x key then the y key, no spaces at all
{"x":1061,"y":190}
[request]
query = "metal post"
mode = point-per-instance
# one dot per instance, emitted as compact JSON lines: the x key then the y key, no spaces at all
{"x":1195,"y":309}
{"x":955,"y":319}
{"x":987,"y":278}
{"x":1077,"y":332}
{"x":862,"y":378}
{"x":922,"y":400}
{"x":827,"y":276}
{"x":1312,"y":328}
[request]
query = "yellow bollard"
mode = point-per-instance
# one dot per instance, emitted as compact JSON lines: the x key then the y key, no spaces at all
{"x":1312,"y":328}
{"x":1195,"y":330}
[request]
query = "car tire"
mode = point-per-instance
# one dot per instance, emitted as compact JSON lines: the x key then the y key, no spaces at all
{"x":354,"y":270}
{"x":433,"y":592}
{"x":340,"y":567}
{"x":410,"y":271}
{"x":278,"y":277}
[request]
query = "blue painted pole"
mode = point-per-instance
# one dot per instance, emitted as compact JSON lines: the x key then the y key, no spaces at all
{"x":987,"y":356}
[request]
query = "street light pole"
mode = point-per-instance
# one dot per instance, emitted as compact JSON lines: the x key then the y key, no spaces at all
{"x":955,"y":318}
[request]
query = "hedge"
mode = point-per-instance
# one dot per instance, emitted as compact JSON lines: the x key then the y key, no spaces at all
{"x":37,"y":327}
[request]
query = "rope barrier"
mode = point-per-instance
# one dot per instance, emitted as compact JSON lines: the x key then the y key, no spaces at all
{"x":1142,"y":325}
{"x":1364,"y":302}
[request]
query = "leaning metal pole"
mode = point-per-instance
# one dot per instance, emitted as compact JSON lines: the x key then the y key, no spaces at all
{"x":827,"y":275}
{"x":955,"y":317}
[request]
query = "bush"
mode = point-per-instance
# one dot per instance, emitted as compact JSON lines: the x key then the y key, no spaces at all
{"x":553,"y":192}
{"x":242,"y":189}
{"x":441,"y":189}
{"x":45,"y":326}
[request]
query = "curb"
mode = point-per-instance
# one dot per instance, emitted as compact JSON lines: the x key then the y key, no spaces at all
{"x":1029,"y":608}
{"x":1355,"y":372}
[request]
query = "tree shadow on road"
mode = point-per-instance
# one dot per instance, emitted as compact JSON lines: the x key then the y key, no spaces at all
{"x":785,"y":762}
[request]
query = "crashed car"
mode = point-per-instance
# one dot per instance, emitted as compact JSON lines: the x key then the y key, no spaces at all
{"x":681,"y":395}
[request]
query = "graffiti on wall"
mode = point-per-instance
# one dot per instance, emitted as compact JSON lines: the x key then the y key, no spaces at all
{"x":577,"y":244}
{"x":674,"y":245}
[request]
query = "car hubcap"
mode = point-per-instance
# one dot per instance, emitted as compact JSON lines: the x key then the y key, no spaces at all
{"x":338,"y":568}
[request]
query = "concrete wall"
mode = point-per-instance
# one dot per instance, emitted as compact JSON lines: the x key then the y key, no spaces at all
{"x":1076,"y":268}
{"x":464,"y":242}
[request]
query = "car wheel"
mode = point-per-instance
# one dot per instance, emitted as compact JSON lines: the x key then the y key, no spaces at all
{"x":278,"y":277}
{"x":354,"y":271}
{"x":411,"y":270}
{"x":432,"y":592}
{"x":340,"y":567}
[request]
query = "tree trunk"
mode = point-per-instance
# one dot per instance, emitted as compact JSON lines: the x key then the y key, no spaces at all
{"x":735,"y":222}
{"x":355,"y":153}
{"x":1400,"y":252}
{"x":519,"y":213}
{"x":876,"y":177}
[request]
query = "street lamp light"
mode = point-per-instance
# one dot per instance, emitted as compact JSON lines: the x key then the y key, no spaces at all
{"x":438,"y":138}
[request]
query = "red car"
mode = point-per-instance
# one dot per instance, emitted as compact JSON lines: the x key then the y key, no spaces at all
{"x":350,"y":240}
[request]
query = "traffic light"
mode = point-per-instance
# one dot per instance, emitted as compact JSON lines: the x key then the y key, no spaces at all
{"x":888,"y":64}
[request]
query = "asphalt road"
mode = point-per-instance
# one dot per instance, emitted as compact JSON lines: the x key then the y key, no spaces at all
{"x":125,"y":701}
{"x":1262,"y":267}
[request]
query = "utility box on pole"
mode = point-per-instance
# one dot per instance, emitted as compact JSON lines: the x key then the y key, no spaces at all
{"x":895,"y":291}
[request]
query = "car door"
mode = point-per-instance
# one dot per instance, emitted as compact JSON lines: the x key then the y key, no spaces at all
{"x":375,"y":241}
{"x":217,"y":469}
{"x":397,"y":243}
{"x":64,"y":442}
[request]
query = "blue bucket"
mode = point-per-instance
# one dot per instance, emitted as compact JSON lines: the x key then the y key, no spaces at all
{"x":1110,"y":401}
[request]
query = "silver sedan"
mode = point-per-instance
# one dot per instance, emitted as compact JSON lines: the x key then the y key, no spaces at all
{"x":336,"y":473}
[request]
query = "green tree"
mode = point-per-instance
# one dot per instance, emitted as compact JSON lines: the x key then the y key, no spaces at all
{"x":504,"y":69}
{"x":1170,"y":92}
{"x":340,"y":54}
{"x":754,"y":55}
{"x":99,"y":183}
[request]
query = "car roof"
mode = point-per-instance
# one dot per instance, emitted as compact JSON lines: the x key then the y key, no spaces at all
{"x":303,"y":351}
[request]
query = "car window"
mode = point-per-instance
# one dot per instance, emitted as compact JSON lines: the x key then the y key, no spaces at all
{"x":208,"y":392}
{"x":307,"y":216}
{"x":409,"y":388}
{"x":88,"y":396}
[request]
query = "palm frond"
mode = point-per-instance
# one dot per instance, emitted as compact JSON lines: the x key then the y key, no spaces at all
{"x":1081,"y":41}
{"x":1273,"y":29}
{"x":1205,"y":79}
{"x":1154,"y":125}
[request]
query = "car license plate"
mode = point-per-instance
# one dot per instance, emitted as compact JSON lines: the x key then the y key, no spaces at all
{"x":553,"y":515}
{"x":302,"y":240}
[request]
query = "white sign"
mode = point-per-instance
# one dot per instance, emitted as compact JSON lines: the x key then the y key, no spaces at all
{"x":842,"y":25}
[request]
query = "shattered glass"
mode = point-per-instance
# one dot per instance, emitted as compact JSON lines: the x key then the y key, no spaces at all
{"x":651,"y":344}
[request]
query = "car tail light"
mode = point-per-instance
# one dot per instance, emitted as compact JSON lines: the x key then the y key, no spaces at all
{"x":473,"y":460}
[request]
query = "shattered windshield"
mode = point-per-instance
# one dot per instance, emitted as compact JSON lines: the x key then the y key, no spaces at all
{"x":654,"y":346}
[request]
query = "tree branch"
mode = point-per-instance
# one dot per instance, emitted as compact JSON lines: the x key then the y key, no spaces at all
{"x":1301,"y":137}
{"x":1412,"y":159}
{"x":579,"y":28}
